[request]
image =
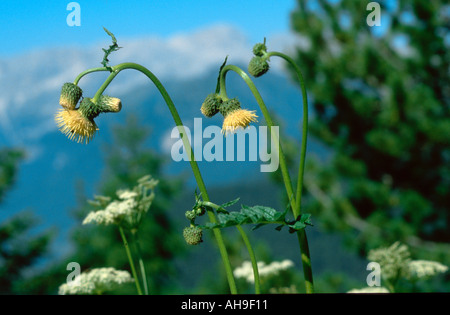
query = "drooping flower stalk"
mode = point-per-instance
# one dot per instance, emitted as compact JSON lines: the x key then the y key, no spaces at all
{"x":294,"y":201}
{"x":114,"y":71}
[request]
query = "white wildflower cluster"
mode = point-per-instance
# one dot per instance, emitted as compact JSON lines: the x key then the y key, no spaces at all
{"x":128,"y":210}
{"x":392,"y":260}
{"x":292,"y":289}
{"x":370,"y":290}
{"x":96,"y":281}
{"x":418,"y":269}
{"x":246,"y":270}
{"x":396,"y":263}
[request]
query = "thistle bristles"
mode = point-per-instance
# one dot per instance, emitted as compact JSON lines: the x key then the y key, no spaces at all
{"x":240,"y":118}
{"x":75,"y":126}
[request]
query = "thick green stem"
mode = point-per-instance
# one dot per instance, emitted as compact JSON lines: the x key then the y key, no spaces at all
{"x":301,"y":234}
{"x":195,"y":169}
{"x":130,"y":260}
{"x":247,"y":244}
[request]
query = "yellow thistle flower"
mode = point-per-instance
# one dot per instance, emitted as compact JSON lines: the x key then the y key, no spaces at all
{"x":75,"y":126}
{"x":236,"y":119}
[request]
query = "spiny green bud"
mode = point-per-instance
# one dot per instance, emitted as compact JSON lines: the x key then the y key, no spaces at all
{"x":70,"y":95}
{"x":190,"y":215}
{"x":211,"y":105}
{"x":229,"y":106}
{"x":109,"y":104}
{"x":258,"y":66}
{"x":193,"y":235}
{"x":260,"y":49}
{"x":88,"y":108}
{"x":105,"y":104}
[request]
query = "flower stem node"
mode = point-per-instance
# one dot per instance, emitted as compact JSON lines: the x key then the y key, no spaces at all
{"x":211,"y":105}
{"x":235,"y":116}
{"x":70,"y":95}
{"x":258,"y":66}
{"x":193,"y":235}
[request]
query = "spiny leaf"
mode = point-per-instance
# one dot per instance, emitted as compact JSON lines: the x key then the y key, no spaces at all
{"x":230,"y":203}
{"x":258,"y":215}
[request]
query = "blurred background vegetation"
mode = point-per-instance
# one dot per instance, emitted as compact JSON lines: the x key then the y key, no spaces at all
{"x":380,"y":104}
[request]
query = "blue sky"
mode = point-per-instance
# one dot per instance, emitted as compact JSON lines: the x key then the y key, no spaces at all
{"x":28,"y":25}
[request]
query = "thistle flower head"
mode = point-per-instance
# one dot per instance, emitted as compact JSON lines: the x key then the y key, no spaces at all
{"x":78,"y":123}
{"x":70,"y":95}
{"x":75,"y":125}
{"x":258,"y":66}
{"x":211,"y":105}
{"x":193,"y":235}
{"x":235,"y":117}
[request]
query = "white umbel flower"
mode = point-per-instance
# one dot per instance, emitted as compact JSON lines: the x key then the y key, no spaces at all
{"x":129,"y":209}
{"x":425,"y":268}
{"x":246,"y":270}
{"x":370,"y":290}
{"x":96,"y":281}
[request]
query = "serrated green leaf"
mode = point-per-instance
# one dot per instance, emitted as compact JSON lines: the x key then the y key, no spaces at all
{"x":230,"y":203}
{"x":260,"y":216}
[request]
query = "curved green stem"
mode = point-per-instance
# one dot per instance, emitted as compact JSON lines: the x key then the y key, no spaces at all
{"x":195,"y":169}
{"x":301,"y":234}
{"x":247,"y":244}
{"x":301,"y":169}
{"x":252,"y":259}
{"x":82,"y":74}
{"x":141,"y":262}
{"x":130,"y":260}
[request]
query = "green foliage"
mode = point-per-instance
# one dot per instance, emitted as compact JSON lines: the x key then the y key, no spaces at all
{"x":20,"y":250}
{"x":20,"y":246}
{"x":258,"y":215}
{"x":9,"y":159}
{"x":382,"y":106}
{"x":111,"y":49}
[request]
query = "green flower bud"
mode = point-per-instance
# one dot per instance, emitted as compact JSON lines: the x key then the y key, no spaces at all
{"x":193,"y":235}
{"x":211,"y":105}
{"x":88,"y":108}
{"x":109,"y":104}
{"x":260,"y":49}
{"x":229,"y":106}
{"x":190,"y":215}
{"x":105,"y":104}
{"x":258,"y":66}
{"x":70,"y":95}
